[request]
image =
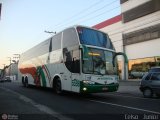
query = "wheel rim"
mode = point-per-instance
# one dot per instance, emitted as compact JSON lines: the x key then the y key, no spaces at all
{"x":147,"y":93}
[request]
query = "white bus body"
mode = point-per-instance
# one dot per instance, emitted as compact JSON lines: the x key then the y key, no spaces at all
{"x":78,"y":59}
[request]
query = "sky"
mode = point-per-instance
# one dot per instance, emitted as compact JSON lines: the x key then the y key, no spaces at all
{"x":23,"y":22}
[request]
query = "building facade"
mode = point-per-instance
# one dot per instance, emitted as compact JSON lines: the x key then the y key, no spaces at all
{"x":11,"y":71}
{"x":136,"y":32}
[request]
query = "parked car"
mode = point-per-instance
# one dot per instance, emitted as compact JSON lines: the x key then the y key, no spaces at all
{"x":155,"y":69}
{"x":6,"y":79}
{"x":150,"y":83}
{"x":135,"y":75}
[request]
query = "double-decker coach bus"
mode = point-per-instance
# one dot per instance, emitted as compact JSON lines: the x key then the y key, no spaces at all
{"x":78,"y":59}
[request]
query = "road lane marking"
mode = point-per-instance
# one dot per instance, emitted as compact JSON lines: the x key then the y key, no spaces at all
{"x":129,"y":96}
{"x":128,"y":107}
{"x":41,"y":107}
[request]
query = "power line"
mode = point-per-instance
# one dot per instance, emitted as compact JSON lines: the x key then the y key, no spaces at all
{"x":131,"y":28}
{"x":136,"y":26}
{"x":84,"y":19}
{"x":82,"y":11}
{"x":101,"y":13}
{"x":79,"y":17}
{"x":127,"y":25}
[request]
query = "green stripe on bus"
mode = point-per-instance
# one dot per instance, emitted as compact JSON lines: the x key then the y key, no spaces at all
{"x":41,"y":73}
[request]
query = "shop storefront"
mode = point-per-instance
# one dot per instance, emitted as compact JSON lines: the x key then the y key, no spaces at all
{"x":138,"y":67}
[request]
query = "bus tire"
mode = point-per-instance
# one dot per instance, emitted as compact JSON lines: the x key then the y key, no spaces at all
{"x":26,"y":82}
{"x":158,"y":95}
{"x":23,"y":81}
{"x":58,"y":87}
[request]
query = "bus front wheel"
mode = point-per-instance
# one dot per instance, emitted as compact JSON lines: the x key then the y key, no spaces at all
{"x":58,"y":87}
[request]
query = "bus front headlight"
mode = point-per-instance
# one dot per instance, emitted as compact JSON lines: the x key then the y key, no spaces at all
{"x":84,"y":89}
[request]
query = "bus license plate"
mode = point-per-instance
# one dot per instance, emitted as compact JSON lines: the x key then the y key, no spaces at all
{"x":105,"y":88}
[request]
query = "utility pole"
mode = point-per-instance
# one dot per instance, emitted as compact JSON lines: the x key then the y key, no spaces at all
{"x":17,"y":57}
{"x":9,"y":67}
{"x":3,"y":71}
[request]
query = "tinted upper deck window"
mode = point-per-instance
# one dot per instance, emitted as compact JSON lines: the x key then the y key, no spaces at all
{"x":93,"y":37}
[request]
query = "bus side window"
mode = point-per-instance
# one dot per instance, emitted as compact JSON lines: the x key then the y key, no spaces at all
{"x":76,"y":61}
{"x":70,"y":38}
{"x":71,"y":60}
{"x":56,"y":41}
{"x":67,"y":58}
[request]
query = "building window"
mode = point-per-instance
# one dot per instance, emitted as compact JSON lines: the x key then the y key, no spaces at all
{"x":154,"y":35}
{"x":142,"y":10}
{"x":141,"y":35}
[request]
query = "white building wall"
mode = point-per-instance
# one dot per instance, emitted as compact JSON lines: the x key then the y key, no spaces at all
{"x":144,"y":49}
{"x":142,"y":22}
{"x":116,"y":30}
{"x":147,"y":48}
{"x":12,"y":71}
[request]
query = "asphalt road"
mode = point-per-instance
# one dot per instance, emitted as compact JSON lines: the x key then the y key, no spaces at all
{"x":19,"y":102}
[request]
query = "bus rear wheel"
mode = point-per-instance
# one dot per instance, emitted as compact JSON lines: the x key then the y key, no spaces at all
{"x":23,"y":83}
{"x":26,"y":82}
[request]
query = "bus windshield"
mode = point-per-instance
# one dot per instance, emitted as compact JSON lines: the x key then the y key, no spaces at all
{"x":93,"y":37}
{"x":99,"y":62}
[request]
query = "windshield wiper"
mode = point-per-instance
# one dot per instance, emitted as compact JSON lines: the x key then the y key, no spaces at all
{"x":99,"y":73}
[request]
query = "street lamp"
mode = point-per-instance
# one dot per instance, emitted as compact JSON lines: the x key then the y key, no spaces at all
{"x":10,"y":66}
{"x":3,"y":71}
{"x":17,"y":55}
{"x":16,"y":61}
{"x":10,"y":59}
{"x":50,"y":32}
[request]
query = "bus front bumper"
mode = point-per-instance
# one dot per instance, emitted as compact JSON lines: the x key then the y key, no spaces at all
{"x":93,"y":88}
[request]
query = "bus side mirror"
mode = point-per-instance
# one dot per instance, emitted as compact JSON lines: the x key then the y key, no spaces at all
{"x":73,"y":60}
{"x":85,"y":52}
{"x":120,"y":53}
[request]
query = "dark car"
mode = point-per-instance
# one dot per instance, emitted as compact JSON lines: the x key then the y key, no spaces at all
{"x":135,"y":75}
{"x":6,"y":79}
{"x":150,"y":83}
{"x":155,"y":69}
